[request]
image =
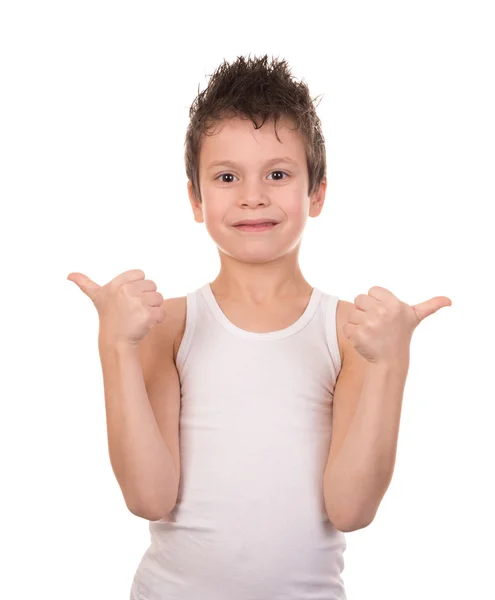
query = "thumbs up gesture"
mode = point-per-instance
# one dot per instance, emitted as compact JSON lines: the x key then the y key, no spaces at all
{"x":380,"y":326}
{"x":128,"y":306}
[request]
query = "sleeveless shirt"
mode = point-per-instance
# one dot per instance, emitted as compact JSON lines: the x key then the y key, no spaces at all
{"x":255,"y":429}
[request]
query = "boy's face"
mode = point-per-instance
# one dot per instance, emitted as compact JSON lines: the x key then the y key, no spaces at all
{"x":252,"y":187}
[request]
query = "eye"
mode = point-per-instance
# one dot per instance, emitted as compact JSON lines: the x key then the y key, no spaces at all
{"x":280,"y":172}
{"x":224,"y":174}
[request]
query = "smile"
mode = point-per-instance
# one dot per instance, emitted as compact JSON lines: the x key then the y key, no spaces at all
{"x":257,"y":228}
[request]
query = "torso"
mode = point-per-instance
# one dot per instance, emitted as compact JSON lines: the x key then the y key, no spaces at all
{"x":254,"y":321}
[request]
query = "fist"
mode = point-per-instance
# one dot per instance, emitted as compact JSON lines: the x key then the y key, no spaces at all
{"x":380,"y":326}
{"x":128,"y":306}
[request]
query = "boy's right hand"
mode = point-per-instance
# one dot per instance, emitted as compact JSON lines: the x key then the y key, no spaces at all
{"x":128,"y":305}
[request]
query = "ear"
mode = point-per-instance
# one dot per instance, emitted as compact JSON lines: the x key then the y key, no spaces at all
{"x":318,"y":199}
{"x":196,"y":205}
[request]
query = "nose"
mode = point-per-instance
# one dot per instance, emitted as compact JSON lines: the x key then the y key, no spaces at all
{"x":254,"y":196}
{"x":254,"y":202}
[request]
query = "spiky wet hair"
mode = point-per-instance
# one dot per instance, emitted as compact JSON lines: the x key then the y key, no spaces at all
{"x":255,"y":88}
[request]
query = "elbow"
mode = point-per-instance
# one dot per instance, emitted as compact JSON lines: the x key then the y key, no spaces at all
{"x":348,"y":525}
{"x":347,"y":520}
{"x":150,"y":513}
{"x":153,"y":511}
{"x":355,"y":526}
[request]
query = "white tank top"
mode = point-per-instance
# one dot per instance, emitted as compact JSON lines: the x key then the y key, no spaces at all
{"x":255,"y":427}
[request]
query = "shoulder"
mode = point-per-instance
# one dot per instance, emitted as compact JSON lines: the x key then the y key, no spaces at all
{"x":353,"y":365}
{"x":343,"y":309}
{"x":173,"y":326}
{"x":162,"y":338}
{"x":175,"y":309}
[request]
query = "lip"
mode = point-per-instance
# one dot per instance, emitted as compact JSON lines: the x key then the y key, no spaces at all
{"x":254,"y":221}
{"x":253,"y":228}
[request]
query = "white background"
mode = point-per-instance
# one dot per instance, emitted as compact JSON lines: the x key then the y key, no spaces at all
{"x":94,"y":109}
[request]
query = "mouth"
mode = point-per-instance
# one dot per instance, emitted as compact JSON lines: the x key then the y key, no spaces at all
{"x":258,"y":227}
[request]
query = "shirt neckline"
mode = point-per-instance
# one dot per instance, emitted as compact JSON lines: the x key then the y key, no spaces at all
{"x":306,"y":316}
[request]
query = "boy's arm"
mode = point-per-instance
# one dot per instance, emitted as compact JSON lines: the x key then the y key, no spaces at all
{"x":367,"y":406}
{"x":140,"y":459}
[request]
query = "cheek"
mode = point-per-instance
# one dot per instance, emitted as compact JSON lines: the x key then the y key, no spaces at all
{"x":214,"y":213}
{"x":296,"y":208}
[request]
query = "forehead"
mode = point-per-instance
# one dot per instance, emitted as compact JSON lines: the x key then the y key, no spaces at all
{"x":237,"y":139}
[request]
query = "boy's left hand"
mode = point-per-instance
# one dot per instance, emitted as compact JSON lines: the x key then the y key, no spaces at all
{"x":380,"y":326}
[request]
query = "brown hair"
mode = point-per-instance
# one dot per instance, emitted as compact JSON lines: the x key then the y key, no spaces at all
{"x":249,"y":89}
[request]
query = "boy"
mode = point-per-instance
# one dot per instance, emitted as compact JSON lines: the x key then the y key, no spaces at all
{"x":255,"y":420}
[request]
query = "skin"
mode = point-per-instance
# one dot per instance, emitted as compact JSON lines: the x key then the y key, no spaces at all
{"x":260,"y":269}
{"x":256,"y":268}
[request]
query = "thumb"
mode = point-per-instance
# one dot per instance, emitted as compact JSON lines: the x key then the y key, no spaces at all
{"x":425,"y":309}
{"x":85,"y":284}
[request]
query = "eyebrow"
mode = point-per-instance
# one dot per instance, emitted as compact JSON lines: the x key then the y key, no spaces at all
{"x":231,"y":163}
